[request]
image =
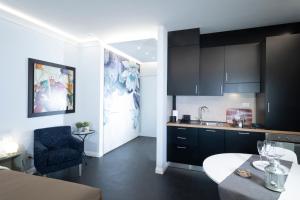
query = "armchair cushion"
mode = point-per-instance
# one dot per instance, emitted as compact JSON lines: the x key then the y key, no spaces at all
{"x":58,"y":156}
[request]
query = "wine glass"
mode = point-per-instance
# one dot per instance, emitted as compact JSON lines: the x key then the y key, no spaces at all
{"x":261,"y":149}
{"x":270,"y":150}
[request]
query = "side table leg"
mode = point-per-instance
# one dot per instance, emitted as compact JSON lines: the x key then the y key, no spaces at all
{"x":84,"y":158}
{"x":80,"y":169}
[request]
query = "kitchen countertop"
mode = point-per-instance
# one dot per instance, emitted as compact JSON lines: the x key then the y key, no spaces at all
{"x":226,"y":126}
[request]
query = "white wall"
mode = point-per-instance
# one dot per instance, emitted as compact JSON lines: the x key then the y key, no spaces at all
{"x":148,"y":96}
{"x":161,"y":108}
{"x":88,"y":83}
{"x":17,"y":44}
{"x":217,"y":105}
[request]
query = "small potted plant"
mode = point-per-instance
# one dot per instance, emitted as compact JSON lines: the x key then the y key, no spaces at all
{"x":79,"y":126}
{"x":85,"y":126}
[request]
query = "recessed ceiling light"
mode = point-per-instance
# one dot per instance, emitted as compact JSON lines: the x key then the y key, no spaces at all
{"x":138,"y":47}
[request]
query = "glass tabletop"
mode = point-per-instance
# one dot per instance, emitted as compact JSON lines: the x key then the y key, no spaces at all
{"x":83,"y":132}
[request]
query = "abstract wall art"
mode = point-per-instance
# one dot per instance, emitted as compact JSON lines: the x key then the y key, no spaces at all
{"x":121,"y":100}
{"x":51,"y":88}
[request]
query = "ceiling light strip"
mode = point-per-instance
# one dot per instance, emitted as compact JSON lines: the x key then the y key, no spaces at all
{"x":37,"y":22}
{"x":42,"y":24}
{"x":121,"y":53}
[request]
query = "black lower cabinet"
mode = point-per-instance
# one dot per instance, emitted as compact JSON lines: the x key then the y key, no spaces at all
{"x":210,"y":142}
{"x":182,"y":145}
{"x":193,"y":145}
{"x":242,"y":142}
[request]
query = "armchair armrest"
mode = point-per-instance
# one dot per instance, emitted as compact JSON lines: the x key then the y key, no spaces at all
{"x":39,"y":147}
{"x":40,"y":154}
{"x":76,"y":143}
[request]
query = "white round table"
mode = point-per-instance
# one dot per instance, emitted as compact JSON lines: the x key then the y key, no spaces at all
{"x":220,"y":166}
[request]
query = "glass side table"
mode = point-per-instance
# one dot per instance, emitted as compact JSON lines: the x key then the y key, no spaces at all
{"x":82,"y":135}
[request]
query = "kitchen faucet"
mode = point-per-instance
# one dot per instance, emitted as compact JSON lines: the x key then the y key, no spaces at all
{"x":200,"y":113}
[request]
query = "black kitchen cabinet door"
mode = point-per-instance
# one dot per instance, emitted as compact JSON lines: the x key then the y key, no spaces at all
{"x":242,"y":63}
{"x":211,"y":71}
{"x":181,"y":145}
{"x":242,"y":142}
{"x":210,"y":142}
{"x":282,"y":83}
{"x":188,"y":37}
{"x":183,"y":70}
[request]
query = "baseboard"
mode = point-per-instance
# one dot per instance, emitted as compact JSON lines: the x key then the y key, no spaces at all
{"x":185,"y":166}
{"x":147,"y":136}
{"x":92,"y":154}
{"x":161,"y":170}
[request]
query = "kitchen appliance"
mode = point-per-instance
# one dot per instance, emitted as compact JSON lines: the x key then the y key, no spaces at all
{"x":186,"y":119}
{"x":173,"y":119}
{"x":174,"y":116}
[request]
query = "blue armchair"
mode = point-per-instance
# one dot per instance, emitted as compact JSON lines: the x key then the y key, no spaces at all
{"x":56,"y":149}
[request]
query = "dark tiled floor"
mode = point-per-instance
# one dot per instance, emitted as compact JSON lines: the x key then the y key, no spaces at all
{"x":127,"y":173}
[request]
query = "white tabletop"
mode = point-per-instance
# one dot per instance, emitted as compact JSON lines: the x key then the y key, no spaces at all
{"x":220,"y":166}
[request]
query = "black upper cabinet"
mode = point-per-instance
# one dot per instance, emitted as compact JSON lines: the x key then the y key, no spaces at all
{"x":242,"y":68}
{"x":211,"y":71}
{"x":282,"y":83}
{"x":242,"y":63}
{"x":183,"y":63}
{"x":189,"y":37}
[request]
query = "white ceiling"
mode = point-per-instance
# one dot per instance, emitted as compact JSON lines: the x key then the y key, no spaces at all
{"x":125,"y":20}
{"x":143,"y":50}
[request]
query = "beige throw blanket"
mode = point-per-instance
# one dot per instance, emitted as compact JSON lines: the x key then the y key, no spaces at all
{"x":19,"y":186}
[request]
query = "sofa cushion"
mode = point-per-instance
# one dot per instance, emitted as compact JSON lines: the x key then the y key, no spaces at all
{"x":62,"y":155}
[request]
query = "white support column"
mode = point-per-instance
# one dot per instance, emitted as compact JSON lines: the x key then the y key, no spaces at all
{"x":101,"y":120}
{"x":161,"y":132}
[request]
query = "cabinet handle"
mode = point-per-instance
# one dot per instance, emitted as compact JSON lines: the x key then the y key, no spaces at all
{"x":226,"y":76}
{"x":181,"y":138}
{"x":268,"y":107}
{"x":196,"y":89}
{"x":209,"y":130}
{"x":244,"y":133}
{"x":180,"y":147}
{"x":221,"y":89}
{"x":181,"y":128}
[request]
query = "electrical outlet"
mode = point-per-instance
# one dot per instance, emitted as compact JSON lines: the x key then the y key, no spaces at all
{"x":246,"y":105}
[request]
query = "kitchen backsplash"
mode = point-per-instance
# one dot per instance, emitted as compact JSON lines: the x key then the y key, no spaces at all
{"x":217,"y":106}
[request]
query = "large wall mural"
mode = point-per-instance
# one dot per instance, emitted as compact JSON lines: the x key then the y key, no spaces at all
{"x":121,"y":99}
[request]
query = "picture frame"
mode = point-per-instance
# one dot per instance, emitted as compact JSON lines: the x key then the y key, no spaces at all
{"x":51,"y":88}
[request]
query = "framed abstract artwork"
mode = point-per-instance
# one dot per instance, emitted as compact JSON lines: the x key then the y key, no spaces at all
{"x":51,"y":88}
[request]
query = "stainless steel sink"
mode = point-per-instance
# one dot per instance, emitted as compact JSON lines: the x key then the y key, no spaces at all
{"x":207,"y":123}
